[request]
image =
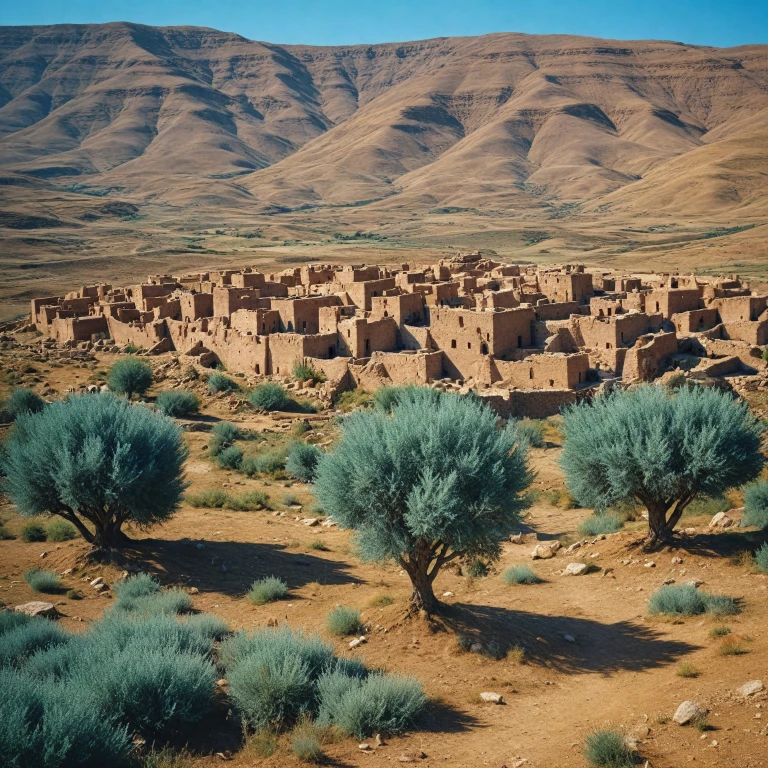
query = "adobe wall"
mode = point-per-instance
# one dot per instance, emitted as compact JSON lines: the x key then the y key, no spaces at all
{"x":642,"y":361}
{"x":696,"y":321}
{"x":545,"y":371}
{"x":672,"y":301}
{"x":532,"y":404}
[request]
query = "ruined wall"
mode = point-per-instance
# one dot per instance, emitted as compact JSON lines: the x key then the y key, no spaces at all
{"x":545,"y":371}
{"x":642,"y":361}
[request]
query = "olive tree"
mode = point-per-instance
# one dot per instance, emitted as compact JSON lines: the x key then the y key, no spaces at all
{"x":96,"y":461}
{"x":659,"y":448}
{"x":130,"y":377}
{"x":435,"y":480}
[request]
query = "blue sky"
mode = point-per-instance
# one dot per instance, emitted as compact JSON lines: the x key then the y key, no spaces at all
{"x":340,"y":22}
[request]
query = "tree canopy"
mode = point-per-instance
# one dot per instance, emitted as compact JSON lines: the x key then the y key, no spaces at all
{"x":434,"y":480}
{"x":96,"y":459}
{"x":130,"y":377}
{"x":659,"y":448}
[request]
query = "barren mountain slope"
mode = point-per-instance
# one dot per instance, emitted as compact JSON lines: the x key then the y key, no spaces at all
{"x":162,"y":112}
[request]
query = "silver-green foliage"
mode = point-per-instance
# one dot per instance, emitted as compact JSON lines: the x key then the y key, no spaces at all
{"x":343,"y":620}
{"x":301,"y":462}
{"x":433,"y":481}
{"x":23,"y":401}
{"x":658,"y":448}
{"x":686,"y":600}
{"x":129,"y":377}
{"x":96,"y":458}
{"x":178,"y":402}
{"x":602,"y":523}
{"x":756,"y":505}
{"x":761,"y":558}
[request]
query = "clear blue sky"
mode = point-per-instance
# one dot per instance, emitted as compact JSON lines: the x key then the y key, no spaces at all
{"x":338,"y":22}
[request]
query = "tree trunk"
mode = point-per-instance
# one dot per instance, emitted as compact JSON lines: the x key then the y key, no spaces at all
{"x":659,"y":530}
{"x":423,"y":597}
{"x":108,"y":537}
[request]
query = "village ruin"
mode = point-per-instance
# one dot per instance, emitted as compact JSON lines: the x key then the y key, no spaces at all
{"x":527,"y":338}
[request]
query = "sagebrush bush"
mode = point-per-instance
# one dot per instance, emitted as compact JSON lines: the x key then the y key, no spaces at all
{"x":269,"y":397}
{"x":532,"y":432}
{"x":302,"y":460}
{"x":761,"y":558}
{"x":151,"y":602}
{"x":289,"y":499}
{"x":248,"y":501}
{"x":226,"y":433}
{"x":267,"y":590}
{"x":5,"y":534}
{"x":133,"y":587}
{"x":33,"y":531}
{"x":608,"y":749}
{"x":520,"y":574}
{"x":208,"y":626}
{"x":305,"y":744}
{"x":11,"y":619}
{"x":342,"y":621}
{"x":60,"y":530}
{"x":178,"y":403}
{"x":386,"y":398}
{"x":212,"y":499}
{"x":377,"y":703}
{"x":268,"y":463}
{"x":686,"y":600}
{"x":43,"y":581}
{"x":230,"y":458}
{"x":600,"y":524}
{"x":20,"y":642}
{"x":129,"y":377}
{"x":756,"y":505}
{"x":218,"y":382}
{"x":303,"y":372}
{"x":23,"y":401}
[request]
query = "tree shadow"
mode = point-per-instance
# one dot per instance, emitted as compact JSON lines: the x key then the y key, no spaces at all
{"x":725,"y":544}
{"x":441,"y":717}
{"x":523,"y":527}
{"x":243,"y":562}
{"x":595,"y":647}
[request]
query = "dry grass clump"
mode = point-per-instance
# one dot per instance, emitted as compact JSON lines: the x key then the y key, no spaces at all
{"x":688,"y":670}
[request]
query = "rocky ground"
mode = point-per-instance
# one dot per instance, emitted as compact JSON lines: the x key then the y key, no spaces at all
{"x":566,"y":656}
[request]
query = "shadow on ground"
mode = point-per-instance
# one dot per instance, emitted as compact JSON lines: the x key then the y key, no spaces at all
{"x":230,"y":567}
{"x":596,"y":647}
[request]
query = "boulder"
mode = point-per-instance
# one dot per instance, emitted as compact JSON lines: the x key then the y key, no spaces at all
{"x":721,"y":520}
{"x":38,"y":608}
{"x":574,"y":569}
{"x":542,"y":552}
{"x":687,"y":712}
{"x":492,"y":698}
{"x":751,"y":688}
{"x":356,"y":642}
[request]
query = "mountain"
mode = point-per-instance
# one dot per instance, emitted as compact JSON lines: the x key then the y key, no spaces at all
{"x":186,"y":114}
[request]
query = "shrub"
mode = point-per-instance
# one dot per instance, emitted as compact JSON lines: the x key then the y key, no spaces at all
{"x":208,"y":626}
{"x":33,"y":531}
{"x":520,"y":574}
{"x":269,"y":463}
{"x":608,"y":749}
{"x":23,"y":401}
{"x":218,"y":382}
{"x":661,"y":449}
{"x":226,"y":433}
{"x":351,"y":399}
{"x":269,"y":397}
{"x":273,"y":673}
{"x":720,"y":631}
{"x":598,"y":524}
{"x":756,"y":505}
{"x":686,"y":600}
{"x":532,"y":432}
{"x":289,"y":499}
{"x":178,"y":403}
{"x":688,"y":670}
{"x":61,"y":530}
{"x":267,"y":590}
{"x":300,"y":427}
{"x":386,"y":398}
{"x":230,"y":458}
{"x":213,"y":499}
{"x":381,"y":601}
{"x":761,"y":558}
{"x":168,"y":602}
{"x":436,"y":480}
{"x":99,"y":459}
{"x":11,"y":619}
{"x":378,"y":703}
{"x":247,"y":502}
{"x":129,"y":377}
{"x":5,"y":534}
{"x":306,"y":747}
{"x":342,"y":621}
{"x":137,"y":586}
{"x":302,"y":460}
{"x":303,"y":372}
{"x":43,"y":581}
{"x":20,"y":642}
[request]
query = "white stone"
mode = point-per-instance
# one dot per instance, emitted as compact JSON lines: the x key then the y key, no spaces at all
{"x":97,"y":581}
{"x":721,"y":520}
{"x":492,"y":698}
{"x":476,"y":647}
{"x":542,"y":552}
{"x":687,"y":712}
{"x":356,"y":642}
{"x":574,"y":569}
{"x":555,"y":546}
{"x":38,"y":608}
{"x":751,"y":688}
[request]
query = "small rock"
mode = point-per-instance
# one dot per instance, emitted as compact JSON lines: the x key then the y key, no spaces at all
{"x":751,"y":688}
{"x":516,"y":538}
{"x":492,"y":698}
{"x":574,"y":569}
{"x":328,"y":523}
{"x":687,"y":712}
{"x":223,"y":682}
{"x":365,"y":746}
{"x":356,"y":642}
{"x":101,"y":588}
{"x":38,"y":608}
{"x":200,"y":545}
{"x":97,"y":581}
{"x":542,"y":552}
{"x":310,"y":521}
{"x":569,"y":638}
{"x":576,"y":545}
{"x":677,"y":561}
{"x":667,"y":582}
{"x":555,"y":546}
{"x":447,"y":594}
{"x":66,"y":572}
{"x":43,"y":554}
{"x":476,"y":648}
{"x":650,"y":564}
{"x":379,"y":740}
{"x":694,"y":583}
{"x":194,"y":591}
{"x":721,"y":520}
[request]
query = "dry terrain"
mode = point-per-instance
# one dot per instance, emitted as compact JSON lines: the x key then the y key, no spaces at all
{"x":619,"y":665}
{"x":126,"y":150}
